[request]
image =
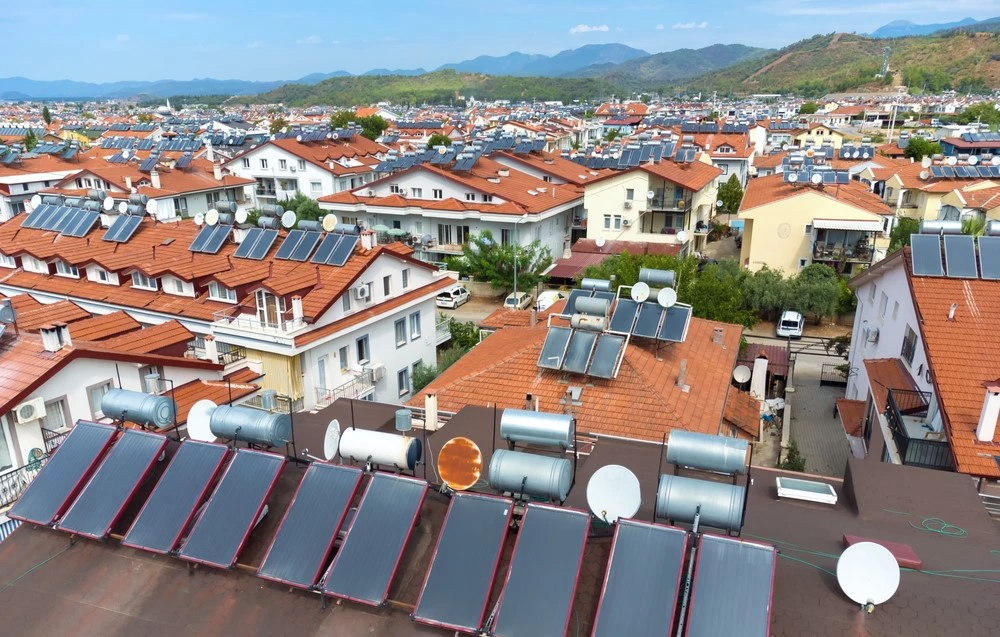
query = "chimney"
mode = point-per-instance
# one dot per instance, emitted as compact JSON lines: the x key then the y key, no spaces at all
{"x":217,"y":171}
{"x":717,"y":334}
{"x":951,"y":311}
{"x":368,"y":240}
{"x":297,"y":309}
{"x":682,"y":373}
{"x":528,"y":402}
{"x":209,"y":151}
{"x":211,"y":349}
{"x":987,"y":426}
{"x":532,"y":317}
{"x":503,"y":172}
{"x":430,"y":412}
{"x":128,"y":182}
{"x":54,"y":337}
{"x":154,"y":178}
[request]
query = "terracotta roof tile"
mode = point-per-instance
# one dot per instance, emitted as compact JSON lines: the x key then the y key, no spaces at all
{"x":151,"y":339}
{"x":766,"y":190}
{"x":219,"y":392}
{"x":64,"y":311}
{"x":852,"y":416}
{"x":104,"y":326}
{"x":885,"y":374}
{"x":743,"y":410}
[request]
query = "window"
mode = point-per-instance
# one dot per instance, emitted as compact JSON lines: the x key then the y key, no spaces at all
{"x":178,"y":286}
{"x":246,"y":162}
{"x":101,"y":275}
{"x":803,"y":263}
{"x":270,"y":308}
{"x":371,"y":295}
{"x":418,"y":227}
{"x":394,"y":189}
{"x":65,"y":269}
{"x":387,"y":285}
{"x":282,"y":164}
{"x":95,"y":394}
{"x":363,"y":351}
{"x":403,"y":381}
{"x":808,"y":229}
{"x":487,"y":198}
{"x":344,"y":357}
{"x":871,"y":293}
{"x":321,"y":364}
{"x":607,"y":222}
{"x":7,"y":262}
{"x":417,"y":192}
{"x":724,"y":168}
{"x":400,"y":328}
{"x":895,"y":310}
{"x":909,"y":346}
{"x":629,"y":194}
{"x":414,"y":326}
{"x":149,"y":370}
{"x":882,"y":303}
{"x":618,"y":222}
{"x":143,"y":282}
{"x":347,"y":302}
{"x":437,"y":193}
{"x":218,"y":292}
{"x":470,"y":196}
{"x":56,"y":414}
{"x":444,"y":234}
{"x":302,"y":164}
{"x":462,"y":234}
{"x":316,"y":187}
{"x":406,"y":278}
{"x":263,"y":164}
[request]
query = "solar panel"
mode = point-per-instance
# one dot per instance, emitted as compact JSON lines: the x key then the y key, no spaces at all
{"x":218,"y":237}
{"x":581,"y":346}
{"x":457,"y":587}
{"x":287,"y":246}
{"x":989,"y":258}
{"x":149,"y":163}
{"x":732,"y":587}
{"x":675,"y":323}
{"x":36,"y":218}
{"x":364,"y":566}
{"x":343,"y":250}
{"x":948,"y":171}
{"x":113,"y":485}
{"x":305,"y":537}
{"x":83,"y":224}
{"x":326,"y":247}
{"x":537,"y":597}
{"x":246,"y":247}
{"x":624,"y":316}
{"x":306,"y":245}
{"x":199,"y":242}
{"x":607,"y":296}
{"x":51,"y":491}
{"x":554,"y":348}
{"x":66,"y":219}
{"x":925,"y":251}
{"x":173,"y":502}
{"x":937,"y":172}
{"x":605,"y":358}
{"x":960,"y":256}
{"x":122,"y":229}
{"x":256,"y":244}
{"x":231,"y":513}
{"x":183,"y":161}
{"x":573,"y":296}
{"x":648,"y":322}
{"x":632,"y":602}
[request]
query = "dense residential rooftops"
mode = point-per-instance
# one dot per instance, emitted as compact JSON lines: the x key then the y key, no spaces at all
{"x":767,"y":190}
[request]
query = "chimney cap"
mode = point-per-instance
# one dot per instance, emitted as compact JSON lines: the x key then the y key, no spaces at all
{"x":992,"y":385}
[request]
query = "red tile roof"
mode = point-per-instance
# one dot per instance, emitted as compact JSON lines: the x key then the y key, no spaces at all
{"x":104,"y":326}
{"x":150,"y":340}
{"x":852,"y":416}
{"x":219,"y":392}
{"x":693,"y":175}
{"x":743,"y":410}
{"x":62,"y":311}
{"x":766,"y":190}
{"x":885,"y":374}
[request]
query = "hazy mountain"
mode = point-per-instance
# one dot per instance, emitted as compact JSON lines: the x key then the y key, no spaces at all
{"x":562,"y":63}
{"x":315,"y":78}
{"x":664,"y":68}
{"x":395,"y":72}
{"x":904,"y":28}
{"x":24,"y":88}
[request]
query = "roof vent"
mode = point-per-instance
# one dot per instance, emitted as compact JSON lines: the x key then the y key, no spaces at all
{"x":503,"y":172}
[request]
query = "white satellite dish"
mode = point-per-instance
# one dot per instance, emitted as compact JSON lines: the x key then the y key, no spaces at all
{"x":640,"y":292}
{"x":666,"y":297}
{"x":298,"y":138}
{"x":199,"y":219}
{"x":109,"y":203}
{"x":793,"y":178}
{"x":650,"y":194}
{"x":331,"y":440}
{"x":995,"y":161}
{"x":741,"y":374}
{"x":868,"y":574}
{"x":199,"y":423}
{"x":212,"y":217}
{"x":784,"y":147}
{"x":600,"y":242}
{"x":926,"y":162}
{"x":123,"y":207}
{"x":329,"y":223}
{"x":720,"y":203}
{"x":951,"y":161}
{"x":816,"y":178}
{"x":125,"y":154}
{"x":924,"y":174}
{"x":241,"y":215}
{"x":288,"y":219}
{"x":36,"y":200}
{"x":973,"y":160}
{"x":613,"y":493}
{"x":151,"y":207}
{"x":682,"y":236}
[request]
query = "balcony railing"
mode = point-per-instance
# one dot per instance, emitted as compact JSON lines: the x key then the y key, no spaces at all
{"x":918,"y":443}
{"x":670,"y":203}
{"x":14,"y":481}
{"x":229,"y":354}
{"x":442,"y":332}
{"x":53,"y":438}
{"x":354,"y":388}
{"x":246,"y":318}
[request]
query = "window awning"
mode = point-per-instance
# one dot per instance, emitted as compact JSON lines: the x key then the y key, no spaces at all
{"x":847,"y":224}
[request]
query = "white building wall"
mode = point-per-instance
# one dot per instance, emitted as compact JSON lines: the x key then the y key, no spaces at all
{"x":294,"y":173}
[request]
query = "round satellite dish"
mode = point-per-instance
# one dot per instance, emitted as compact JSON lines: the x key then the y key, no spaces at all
{"x":123,"y":207}
{"x":600,"y":242}
{"x":331,"y":440}
{"x":36,"y":200}
{"x":784,"y":147}
{"x":109,"y":203}
{"x":868,"y":573}
{"x":613,"y":493}
{"x":212,"y":217}
{"x":298,"y":138}
{"x":288,"y":219}
{"x":810,"y":152}
{"x":650,"y":194}
{"x":951,"y":161}
{"x":995,"y":161}
{"x":924,"y":174}
{"x":241,"y":215}
{"x":125,"y":154}
{"x":329,"y":223}
{"x":816,"y":178}
{"x":460,"y":463}
{"x":926,"y":162}
{"x":666,"y":297}
{"x":973,"y":160}
{"x":442,"y":150}
{"x":151,"y":207}
{"x":741,"y":374}
{"x":793,"y":178}
{"x":640,"y":292}
{"x":199,"y":219}
{"x":682,"y":236}
{"x":199,"y":423}
{"x":720,"y":203}
{"x":284,"y":129}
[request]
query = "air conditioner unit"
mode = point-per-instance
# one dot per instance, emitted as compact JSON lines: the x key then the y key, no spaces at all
{"x":378,"y":372}
{"x":371,"y":193}
{"x":628,"y":205}
{"x":292,"y":168}
{"x":626,"y":223}
{"x":30,"y":410}
{"x":403,"y":192}
{"x":361,"y":292}
{"x":871,"y":335}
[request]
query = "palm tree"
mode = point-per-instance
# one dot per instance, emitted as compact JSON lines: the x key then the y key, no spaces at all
{"x":975,"y":226}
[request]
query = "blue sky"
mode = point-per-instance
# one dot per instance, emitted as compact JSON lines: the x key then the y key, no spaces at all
{"x":107,"y":40}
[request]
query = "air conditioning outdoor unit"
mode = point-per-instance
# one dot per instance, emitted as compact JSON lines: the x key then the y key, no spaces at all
{"x":628,"y":205}
{"x":292,"y":168}
{"x":378,"y":372}
{"x":871,"y":335}
{"x":361,"y":292}
{"x":403,"y":192}
{"x":626,"y":223}
{"x":30,"y":411}
{"x":371,"y":193}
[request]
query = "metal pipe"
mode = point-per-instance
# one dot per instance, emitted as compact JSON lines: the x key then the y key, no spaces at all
{"x":689,"y":578}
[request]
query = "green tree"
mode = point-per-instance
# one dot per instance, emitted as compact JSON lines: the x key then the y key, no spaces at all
{"x":623,"y":269}
{"x":610,"y":135}
{"x":900,"y":235}
{"x":816,"y":290}
{"x":304,"y":207}
{"x":918,"y":148}
{"x":464,"y":335}
{"x":983,"y":112}
{"x":483,"y":259}
{"x":423,"y":375}
{"x":371,"y":127}
{"x":717,"y":295}
{"x":30,"y":140}
{"x":46,"y":115}
{"x":144,"y":118}
{"x":277,"y":124}
{"x":767,"y":292}
{"x":808,"y":108}
{"x":975,"y":226}
{"x":437,"y":139}
{"x":731,"y":194}
{"x":794,"y":460}
{"x":341,"y":119}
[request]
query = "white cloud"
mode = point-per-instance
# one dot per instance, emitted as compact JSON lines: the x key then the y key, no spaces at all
{"x":690,"y":25}
{"x":312,"y":39}
{"x":121,"y":37}
{"x":587,"y":28}
{"x":256,"y":44}
{"x":660,"y":27}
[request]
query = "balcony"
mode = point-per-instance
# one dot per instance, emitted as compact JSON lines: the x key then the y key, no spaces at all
{"x":843,"y":246}
{"x":680,"y":202}
{"x":13,"y":482}
{"x":354,"y":388}
{"x":243,"y":320}
{"x":919,"y":441}
{"x":442,"y":332}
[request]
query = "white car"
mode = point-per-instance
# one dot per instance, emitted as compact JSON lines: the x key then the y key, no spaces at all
{"x":790,"y":325}
{"x":517,"y":301}
{"x":452,"y":297}
{"x":547,"y":299}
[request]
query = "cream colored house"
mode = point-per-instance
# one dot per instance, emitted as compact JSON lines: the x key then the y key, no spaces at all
{"x":654,"y":203}
{"x":788,"y":226}
{"x":909,"y":194}
{"x":819,"y":133}
{"x":976,"y":201}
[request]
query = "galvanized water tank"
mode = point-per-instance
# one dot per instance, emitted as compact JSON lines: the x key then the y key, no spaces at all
{"x":704,"y":451}
{"x":378,"y":447}
{"x":251,"y":425}
{"x":537,"y":428}
{"x":534,"y":475}
{"x":677,"y":498}
{"x":657,"y":278}
{"x":592,"y":306}
{"x":404,"y":420}
{"x":137,"y":407}
{"x":601,"y":285}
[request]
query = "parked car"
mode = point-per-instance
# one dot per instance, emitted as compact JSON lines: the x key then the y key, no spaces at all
{"x":547,"y":299}
{"x":790,"y":325}
{"x":518,"y":301}
{"x":452,"y":297}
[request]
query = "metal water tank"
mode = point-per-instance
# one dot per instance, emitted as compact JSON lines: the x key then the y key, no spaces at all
{"x":678,"y":498}
{"x":138,"y":407}
{"x":378,"y":447}
{"x":593,"y":306}
{"x":601,"y":285}
{"x":537,"y":428}
{"x":588,"y":323}
{"x":251,"y":425}
{"x":404,"y":420}
{"x":929,"y":226}
{"x":704,"y":451}
{"x":657,"y":278}
{"x":539,"y":476}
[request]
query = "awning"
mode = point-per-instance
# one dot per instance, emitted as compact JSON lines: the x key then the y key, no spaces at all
{"x":573,"y":266}
{"x":847,"y":224}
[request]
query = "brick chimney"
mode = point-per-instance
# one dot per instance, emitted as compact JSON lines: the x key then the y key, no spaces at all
{"x":987,"y":427}
{"x":682,"y":373}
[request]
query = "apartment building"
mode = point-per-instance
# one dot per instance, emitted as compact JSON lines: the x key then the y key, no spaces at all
{"x":28,"y":174}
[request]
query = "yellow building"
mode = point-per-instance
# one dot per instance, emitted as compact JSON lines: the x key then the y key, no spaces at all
{"x":912,"y":190}
{"x":975,"y":201}
{"x":787,"y":226}
{"x":819,"y":133}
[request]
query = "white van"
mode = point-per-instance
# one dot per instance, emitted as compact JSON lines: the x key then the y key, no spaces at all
{"x":790,"y":325}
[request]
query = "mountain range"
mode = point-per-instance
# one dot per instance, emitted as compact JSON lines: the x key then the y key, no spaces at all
{"x":905,"y":28}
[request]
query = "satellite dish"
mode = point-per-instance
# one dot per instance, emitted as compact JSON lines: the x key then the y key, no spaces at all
{"x":973,"y":160}
{"x":199,"y":423}
{"x":212,"y":217}
{"x":329,"y":223}
{"x":682,"y":236}
{"x":109,"y":203}
{"x":36,"y":200}
{"x":924,"y":174}
{"x":951,"y":161}
{"x":650,"y":194}
{"x":600,"y":242}
{"x":331,"y":440}
{"x":241,"y":215}
{"x":868,"y":574}
{"x":613,"y":493}
{"x":720,"y":203}
{"x":926,"y":162}
{"x":640,"y":292}
{"x":810,"y":152}
{"x":784,"y":147}
{"x":666,"y":297}
{"x":151,"y":207}
{"x":442,"y":150}
{"x":793,"y":178}
{"x":460,"y":463}
{"x":298,"y":138}
{"x":741,"y":374}
{"x":995,"y":161}
{"x":199,"y":219}
{"x":288,"y":219}
{"x":816,"y":178}
{"x":125,"y":154}
{"x":123,"y":207}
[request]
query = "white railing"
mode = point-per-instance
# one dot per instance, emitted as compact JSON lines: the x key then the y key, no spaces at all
{"x":353,"y":388}
{"x":442,"y":332}
{"x":237,"y":318}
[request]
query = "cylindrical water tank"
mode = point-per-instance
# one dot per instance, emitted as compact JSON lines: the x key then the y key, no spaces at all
{"x":135,"y":210}
{"x":537,"y":428}
{"x":137,"y":407}
{"x":601,"y":285}
{"x":226,"y":219}
{"x":940,"y":227}
{"x":380,"y":447}
{"x":309,"y":224}
{"x":251,"y":425}
{"x":52,"y":200}
{"x":592,"y":306}
{"x":346,"y":228}
{"x":678,"y":498}
{"x":271,"y":209}
{"x":268,"y":223}
{"x":657,"y":278}
{"x":993,"y":228}
{"x":404,"y":420}
{"x":704,"y":451}
{"x":74,"y":202}
{"x":590,"y":323}
{"x":530,"y":474}
{"x":268,"y":397}
{"x":225,"y":206}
